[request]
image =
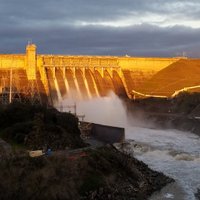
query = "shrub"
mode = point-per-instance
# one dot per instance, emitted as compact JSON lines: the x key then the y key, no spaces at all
{"x":17,"y":132}
{"x":91,"y":183}
{"x":186,"y":102}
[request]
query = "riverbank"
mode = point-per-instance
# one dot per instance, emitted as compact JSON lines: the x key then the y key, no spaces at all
{"x":102,"y":173}
{"x":73,"y":170}
{"x":181,"y":112}
{"x":182,"y":123}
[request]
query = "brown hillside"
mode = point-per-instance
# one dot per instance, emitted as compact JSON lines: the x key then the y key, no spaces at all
{"x":183,"y":73}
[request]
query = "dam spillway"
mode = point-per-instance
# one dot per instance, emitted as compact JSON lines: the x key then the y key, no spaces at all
{"x":81,"y":77}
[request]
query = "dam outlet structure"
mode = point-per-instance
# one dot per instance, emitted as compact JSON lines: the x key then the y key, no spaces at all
{"x":51,"y":78}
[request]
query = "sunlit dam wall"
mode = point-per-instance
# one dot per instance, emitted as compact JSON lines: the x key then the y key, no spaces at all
{"x":62,"y":76}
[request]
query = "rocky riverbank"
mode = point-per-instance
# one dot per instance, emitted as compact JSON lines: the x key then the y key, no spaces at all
{"x":181,"y":112}
{"x":197,"y":194}
{"x":73,"y":170}
{"x":102,"y":173}
{"x":183,"y":123}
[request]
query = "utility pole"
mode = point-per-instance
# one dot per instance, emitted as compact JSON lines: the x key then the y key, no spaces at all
{"x":10,"y":92}
{"x":75,"y":108}
{"x":61,"y":107}
{"x":69,"y":107}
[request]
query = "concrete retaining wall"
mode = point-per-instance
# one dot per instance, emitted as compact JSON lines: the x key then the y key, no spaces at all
{"x":107,"y":134}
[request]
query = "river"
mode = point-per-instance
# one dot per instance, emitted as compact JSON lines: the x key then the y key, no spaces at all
{"x":173,"y":152}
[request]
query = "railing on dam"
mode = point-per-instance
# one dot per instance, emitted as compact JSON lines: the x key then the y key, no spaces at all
{"x":63,"y":76}
{"x":79,"y":61}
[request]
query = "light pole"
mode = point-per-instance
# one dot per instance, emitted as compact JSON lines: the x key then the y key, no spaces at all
{"x":10,"y":92}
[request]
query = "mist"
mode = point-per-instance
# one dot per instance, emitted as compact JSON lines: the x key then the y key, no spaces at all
{"x":108,"y":110}
{"x":163,"y":150}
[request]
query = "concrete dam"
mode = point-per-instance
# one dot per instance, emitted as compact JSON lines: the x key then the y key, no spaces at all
{"x":55,"y":77}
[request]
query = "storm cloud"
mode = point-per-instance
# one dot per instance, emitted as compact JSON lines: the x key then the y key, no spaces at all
{"x":166,"y":28}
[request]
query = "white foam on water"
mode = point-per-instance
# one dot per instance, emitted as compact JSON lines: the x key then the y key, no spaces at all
{"x":169,"y":196}
{"x":175,"y":153}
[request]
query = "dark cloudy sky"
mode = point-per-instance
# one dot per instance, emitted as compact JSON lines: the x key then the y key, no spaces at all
{"x":102,"y":27}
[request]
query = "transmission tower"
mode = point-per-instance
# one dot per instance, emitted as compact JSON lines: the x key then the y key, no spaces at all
{"x":16,"y":88}
{"x":31,"y":93}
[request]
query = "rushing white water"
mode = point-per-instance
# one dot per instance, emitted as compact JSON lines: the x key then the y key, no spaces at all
{"x":175,"y":153}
